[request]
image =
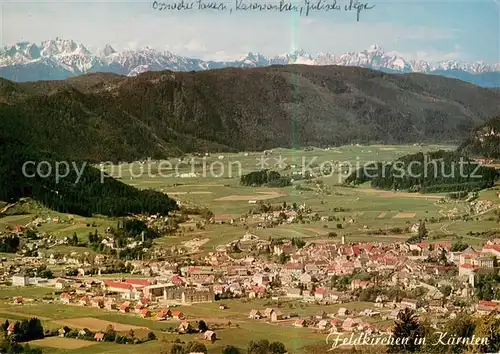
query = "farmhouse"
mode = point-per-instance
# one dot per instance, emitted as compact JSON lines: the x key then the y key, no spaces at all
{"x":163,"y":314}
{"x":276,"y":316}
{"x":323,"y":324}
{"x":209,"y":335}
{"x":110,"y":304}
{"x":360,"y":284}
{"x":65,"y":298}
{"x":178,"y":315}
{"x":493,"y":249}
{"x":60,"y":283}
{"x":184,"y":327}
{"x":343,"y":311}
{"x":299,"y":323}
{"x":125,"y":307}
{"x":145,"y":313}
{"x":97,"y":302}
{"x":223,"y":219}
{"x":84,"y":301}
{"x":255,"y":315}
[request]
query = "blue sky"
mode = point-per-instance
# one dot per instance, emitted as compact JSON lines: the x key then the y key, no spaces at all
{"x":426,"y":30}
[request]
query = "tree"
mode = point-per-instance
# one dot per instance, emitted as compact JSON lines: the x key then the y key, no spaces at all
{"x":196,"y":347}
{"x":35,"y":329}
{"x":151,"y":336}
{"x":489,"y":327}
{"x":110,"y":334}
{"x":277,"y":348}
{"x":422,"y":231}
{"x":407,"y":327}
{"x":74,"y":240}
{"x":260,"y":347}
{"x":446,"y":290}
{"x":283,"y":258}
{"x":5,"y":325}
{"x":461,"y":327}
{"x":177,"y":349}
{"x":459,"y":246}
{"x":202,"y":326}
{"x":230,"y":349}
{"x":442,"y":257}
{"x":28,"y":350}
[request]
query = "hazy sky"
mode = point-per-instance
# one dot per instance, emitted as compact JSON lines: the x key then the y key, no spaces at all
{"x":428,"y":30}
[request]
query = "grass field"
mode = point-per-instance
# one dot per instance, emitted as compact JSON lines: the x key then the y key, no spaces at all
{"x":218,"y":189}
{"x":364,"y":210}
{"x":239,"y":333}
{"x":62,"y":343}
{"x":95,"y":324}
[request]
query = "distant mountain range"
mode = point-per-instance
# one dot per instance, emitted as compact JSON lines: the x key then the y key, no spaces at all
{"x":63,"y":58}
{"x":102,"y":116}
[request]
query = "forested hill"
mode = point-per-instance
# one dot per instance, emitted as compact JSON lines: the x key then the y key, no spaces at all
{"x":484,"y":140}
{"x":102,"y":117}
{"x":86,"y":195}
{"x":439,"y":171}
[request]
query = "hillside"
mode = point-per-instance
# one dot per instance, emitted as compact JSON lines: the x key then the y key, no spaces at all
{"x":438,"y":171}
{"x":484,"y":140}
{"x":83,"y":191}
{"x":109,"y":117}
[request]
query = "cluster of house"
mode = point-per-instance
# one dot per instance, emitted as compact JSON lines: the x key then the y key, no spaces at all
{"x":285,"y":215}
{"x":471,"y":259}
{"x":345,"y":320}
{"x":307,"y":276}
{"x":82,"y":294}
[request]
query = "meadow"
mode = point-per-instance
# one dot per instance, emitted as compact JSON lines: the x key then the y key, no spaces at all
{"x":236,"y":329}
{"x":217,"y":187}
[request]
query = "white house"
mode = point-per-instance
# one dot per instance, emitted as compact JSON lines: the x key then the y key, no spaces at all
{"x":20,"y":280}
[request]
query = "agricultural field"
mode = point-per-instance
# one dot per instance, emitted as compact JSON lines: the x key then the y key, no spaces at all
{"x":217,"y":187}
{"x":62,"y":343}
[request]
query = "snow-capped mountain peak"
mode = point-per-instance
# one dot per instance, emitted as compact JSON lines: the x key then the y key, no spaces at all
{"x":254,"y":59}
{"x":60,"y":46}
{"x":106,"y":51}
{"x":61,"y":58}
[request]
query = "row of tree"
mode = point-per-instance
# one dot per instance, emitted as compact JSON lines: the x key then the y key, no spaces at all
{"x":422,"y":338}
{"x":265,"y":178}
{"x":25,"y":330}
{"x":254,"y":347}
{"x":439,"y":171}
